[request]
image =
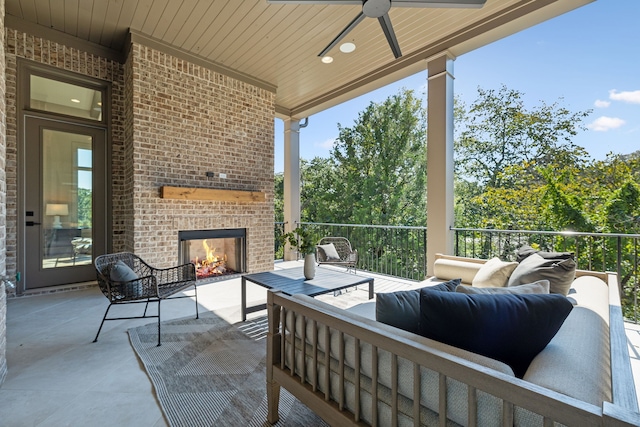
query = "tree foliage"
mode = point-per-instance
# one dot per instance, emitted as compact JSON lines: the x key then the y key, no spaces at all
{"x":375,"y":175}
{"x":84,"y":207}
{"x":506,"y":153}
{"x":498,"y":131}
{"x":376,"y":171}
{"x":380,"y":163}
{"x":516,"y":168}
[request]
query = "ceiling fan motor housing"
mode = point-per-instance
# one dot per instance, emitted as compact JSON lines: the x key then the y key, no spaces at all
{"x":376,"y":8}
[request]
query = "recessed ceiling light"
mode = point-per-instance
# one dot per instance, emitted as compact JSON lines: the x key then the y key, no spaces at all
{"x":327,"y":59}
{"x":77,"y":101}
{"x":347,"y":47}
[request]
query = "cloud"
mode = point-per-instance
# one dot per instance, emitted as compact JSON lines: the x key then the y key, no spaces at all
{"x":604,"y":124}
{"x":327,"y":145}
{"x":601,"y":104}
{"x":632,"y":97}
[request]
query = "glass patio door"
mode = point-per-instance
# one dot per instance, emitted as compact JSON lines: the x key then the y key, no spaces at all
{"x":64,"y":201}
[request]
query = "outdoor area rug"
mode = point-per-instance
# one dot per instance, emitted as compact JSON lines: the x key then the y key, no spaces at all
{"x":208,"y":372}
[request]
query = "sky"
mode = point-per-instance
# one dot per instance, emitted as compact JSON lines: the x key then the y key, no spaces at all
{"x":586,"y":59}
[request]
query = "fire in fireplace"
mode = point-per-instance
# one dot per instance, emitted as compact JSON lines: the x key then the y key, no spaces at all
{"x":215,"y":253}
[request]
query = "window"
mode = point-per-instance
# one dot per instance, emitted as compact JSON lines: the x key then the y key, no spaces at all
{"x":63,"y":98}
{"x":84,"y":177}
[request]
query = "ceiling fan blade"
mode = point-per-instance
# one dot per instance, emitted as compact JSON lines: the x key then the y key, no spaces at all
{"x":342,"y":34}
{"x":387,"y":28}
{"x":439,"y":3}
{"x":338,"y":2}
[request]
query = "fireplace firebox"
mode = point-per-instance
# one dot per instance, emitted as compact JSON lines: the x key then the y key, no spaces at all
{"x":215,"y":253}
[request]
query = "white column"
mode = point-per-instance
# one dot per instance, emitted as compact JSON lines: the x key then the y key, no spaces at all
{"x":439,"y":157}
{"x":291,"y":180}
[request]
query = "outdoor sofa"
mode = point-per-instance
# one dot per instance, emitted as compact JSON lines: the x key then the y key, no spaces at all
{"x":581,"y":378}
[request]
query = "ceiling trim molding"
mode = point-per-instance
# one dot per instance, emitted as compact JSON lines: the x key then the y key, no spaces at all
{"x":488,"y":29}
{"x":56,"y":36}
{"x":137,"y":37}
{"x":282,"y":112}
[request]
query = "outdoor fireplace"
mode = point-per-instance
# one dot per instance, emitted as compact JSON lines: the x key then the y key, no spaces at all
{"x":215,"y":253}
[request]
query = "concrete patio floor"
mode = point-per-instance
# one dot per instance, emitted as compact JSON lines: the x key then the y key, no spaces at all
{"x":58,"y":377}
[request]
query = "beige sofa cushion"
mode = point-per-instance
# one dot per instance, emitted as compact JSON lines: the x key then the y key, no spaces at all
{"x":577,"y":360}
{"x":592,"y":293}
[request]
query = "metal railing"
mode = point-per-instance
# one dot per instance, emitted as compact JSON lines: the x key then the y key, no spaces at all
{"x":385,"y":249}
{"x":593,"y":251}
{"x":278,"y":249}
{"x":402,"y":251}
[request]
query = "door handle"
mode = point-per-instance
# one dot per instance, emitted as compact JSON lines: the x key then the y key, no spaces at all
{"x":31,"y":223}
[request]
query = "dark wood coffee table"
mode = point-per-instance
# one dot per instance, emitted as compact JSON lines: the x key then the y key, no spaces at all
{"x":291,"y":281}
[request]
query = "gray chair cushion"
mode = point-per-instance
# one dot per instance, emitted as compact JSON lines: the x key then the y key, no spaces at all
{"x":121,"y":272}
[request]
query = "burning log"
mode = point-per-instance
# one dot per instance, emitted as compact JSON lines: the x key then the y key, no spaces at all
{"x":212,"y":264}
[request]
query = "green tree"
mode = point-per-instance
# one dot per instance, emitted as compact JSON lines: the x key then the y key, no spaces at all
{"x":380,"y":164}
{"x":501,"y":152}
{"x":319,"y":196}
{"x":498,"y":131}
{"x":564,"y":210}
{"x":317,"y":191}
{"x":278,"y":196}
{"x":84,"y":207}
{"x":623,"y":209}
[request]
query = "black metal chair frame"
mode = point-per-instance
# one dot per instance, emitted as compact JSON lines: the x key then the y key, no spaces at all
{"x":152,"y":284}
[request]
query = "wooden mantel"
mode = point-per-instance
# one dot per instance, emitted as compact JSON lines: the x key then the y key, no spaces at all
{"x":191,"y":193}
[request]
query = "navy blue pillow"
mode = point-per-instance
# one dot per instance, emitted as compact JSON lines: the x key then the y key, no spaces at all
{"x":511,"y":328}
{"x":402,"y":308}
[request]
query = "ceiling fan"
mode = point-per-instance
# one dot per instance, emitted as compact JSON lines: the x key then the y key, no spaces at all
{"x":379,"y":9}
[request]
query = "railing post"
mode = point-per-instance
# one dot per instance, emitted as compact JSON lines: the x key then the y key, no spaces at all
{"x":457,"y":244}
{"x":619,"y":259}
{"x":426,"y":267}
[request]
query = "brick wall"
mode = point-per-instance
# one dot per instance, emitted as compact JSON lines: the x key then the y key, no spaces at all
{"x":3,"y":201}
{"x":172,"y":121}
{"x":188,"y":120}
{"x":21,"y":45}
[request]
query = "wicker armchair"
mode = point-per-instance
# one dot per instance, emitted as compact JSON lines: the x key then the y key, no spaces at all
{"x":140,"y":283}
{"x":347,"y":257}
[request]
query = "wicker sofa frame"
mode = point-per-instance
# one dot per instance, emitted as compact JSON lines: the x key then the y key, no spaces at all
{"x":152,"y":285}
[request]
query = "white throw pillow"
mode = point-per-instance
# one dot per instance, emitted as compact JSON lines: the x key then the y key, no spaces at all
{"x":494,"y":273}
{"x":330,"y":252}
{"x":539,"y":287}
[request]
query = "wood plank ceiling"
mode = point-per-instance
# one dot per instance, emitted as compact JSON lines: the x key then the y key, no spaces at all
{"x":278,"y":44}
